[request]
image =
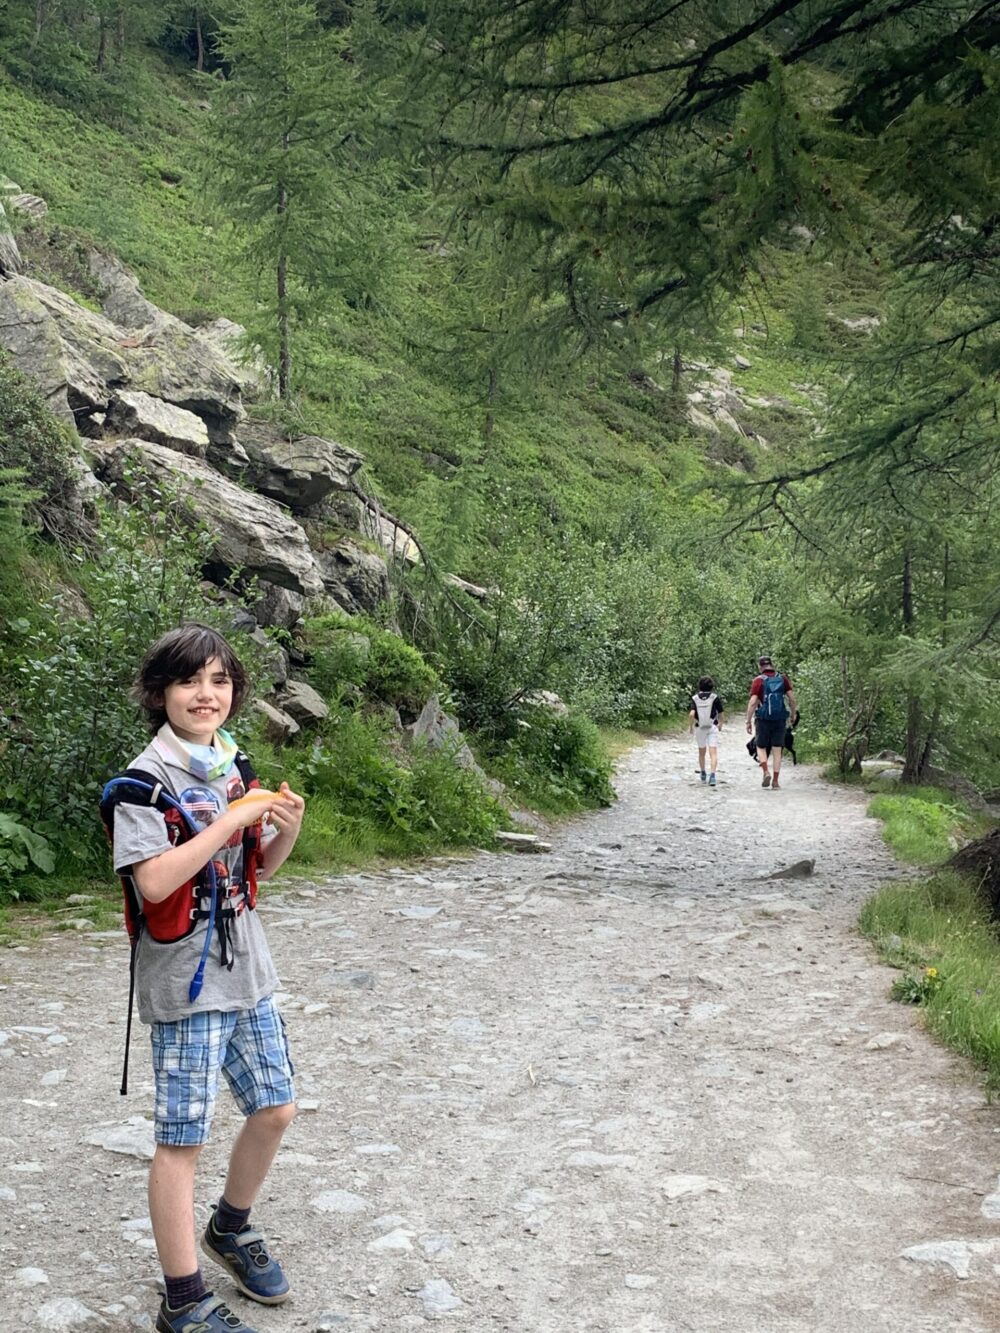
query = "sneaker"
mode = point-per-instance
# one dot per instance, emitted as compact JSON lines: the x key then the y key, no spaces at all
{"x":711,"y":779}
{"x":243,"y":1254}
{"x":766,"y":779}
{"x":209,"y":1315}
{"x":704,"y":775}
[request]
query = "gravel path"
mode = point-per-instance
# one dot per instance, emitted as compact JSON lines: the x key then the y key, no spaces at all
{"x":627,"y":1087}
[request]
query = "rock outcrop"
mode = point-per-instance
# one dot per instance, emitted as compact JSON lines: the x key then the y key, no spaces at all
{"x":249,"y":531}
{"x":136,"y":414}
{"x":355,"y":579}
{"x":299,"y":471}
{"x":74,"y":355}
{"x":10,"y":255}
{"x":152,"y":392}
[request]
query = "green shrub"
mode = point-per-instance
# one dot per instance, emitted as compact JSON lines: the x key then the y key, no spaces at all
{"x":352,"y":651}
{"x":920,"y":826}
{"x":556,"y":762}
{"x":70,"y":722}
{"x":372,"y":797}
{"x":37,"y":447}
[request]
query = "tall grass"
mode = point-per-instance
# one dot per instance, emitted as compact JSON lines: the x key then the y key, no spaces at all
{"x":942,"y":922}
{"x":922,"y":825}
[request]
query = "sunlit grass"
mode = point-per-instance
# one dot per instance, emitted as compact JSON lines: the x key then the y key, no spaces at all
{"x":941,"y":922}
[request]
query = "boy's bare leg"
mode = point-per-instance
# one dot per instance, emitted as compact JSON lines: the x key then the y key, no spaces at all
{"x":713,"y":754}
{"x":701,"y":757}
{"x":171,"y":1208}
{"x":253,"y":1153}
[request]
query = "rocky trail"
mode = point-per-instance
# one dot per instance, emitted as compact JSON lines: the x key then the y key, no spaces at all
{"x":630,"y":1086}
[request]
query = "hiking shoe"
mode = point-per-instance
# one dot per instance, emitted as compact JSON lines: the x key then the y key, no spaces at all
{"x":711,"y":779}
{"x":766,"y":779}
{"x":774,"y":784}
{"x":209,"y":1315}
{"x":243,"y":1254}
{"x":704,"y":775}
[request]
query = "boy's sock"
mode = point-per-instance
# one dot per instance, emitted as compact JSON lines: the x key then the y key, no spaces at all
{"x":228,"y":1218}
{"x":183,"y":1291}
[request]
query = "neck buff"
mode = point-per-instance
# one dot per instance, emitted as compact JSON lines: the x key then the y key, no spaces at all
{"x":206,"y":762}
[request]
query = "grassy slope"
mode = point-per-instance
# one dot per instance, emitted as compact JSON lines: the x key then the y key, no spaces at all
{"x":936,"y":930}
{"x":587,"y":446}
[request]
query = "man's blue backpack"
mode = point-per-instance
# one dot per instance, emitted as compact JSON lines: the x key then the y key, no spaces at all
{"x":772,"y":703}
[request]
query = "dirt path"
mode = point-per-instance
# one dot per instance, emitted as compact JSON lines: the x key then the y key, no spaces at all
{"x":627,"y":1087}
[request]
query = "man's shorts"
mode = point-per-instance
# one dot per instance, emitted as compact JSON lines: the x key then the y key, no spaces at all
{"x":706,"y":736}
{"x":771,"y":732}
{"x":249,"y":1046}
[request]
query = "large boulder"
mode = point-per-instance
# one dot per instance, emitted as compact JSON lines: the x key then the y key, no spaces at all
{"x":437,"y":730}
{"x":168,"y":360}
{"x":137,"y":415}
{"x":200,"y":370}
{"x":279,"y":726}
{"x":121,"y":299}
{"x":249,"y":532}
{"x":10,"y":255}
{"x":279,"y":607}
{"x":299,"y":471}
{"x":32,"y":205}
{"x":357,"y":580}
{"x":251,"y":369}
{"x":74,"y":355}
{"x":352,"y":511}
{"x":301,"y":702}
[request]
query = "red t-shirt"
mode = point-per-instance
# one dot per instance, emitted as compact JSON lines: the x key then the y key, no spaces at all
{"x":757,"y":685}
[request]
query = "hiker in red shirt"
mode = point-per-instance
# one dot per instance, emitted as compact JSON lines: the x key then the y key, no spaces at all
{"x":768,"y":707}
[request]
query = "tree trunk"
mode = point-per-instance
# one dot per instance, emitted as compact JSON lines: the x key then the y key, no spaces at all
{"x":200,"y":39}
{"x":284,"y":350}
{"x":40,"y":16}
{"x":102,"y":45}
{"x":678,"y":370}
{"x":914,"y":711}
{"x":491,"y":394}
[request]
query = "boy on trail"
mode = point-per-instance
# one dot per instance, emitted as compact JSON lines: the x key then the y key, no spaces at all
{"x":706,"y":714}
{"x":767,"y":706}
{"x":190,"y":852}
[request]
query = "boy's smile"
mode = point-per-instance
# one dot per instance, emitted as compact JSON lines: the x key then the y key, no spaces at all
{"x":198,"y":706}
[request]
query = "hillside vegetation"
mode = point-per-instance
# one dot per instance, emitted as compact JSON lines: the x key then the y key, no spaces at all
{"x":675,"y":386}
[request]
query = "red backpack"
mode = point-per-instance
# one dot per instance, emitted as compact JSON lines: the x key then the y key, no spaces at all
{"x":197,"y":899}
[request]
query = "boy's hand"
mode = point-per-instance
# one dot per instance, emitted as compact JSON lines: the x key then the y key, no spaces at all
{"x":286,"y":815}
{"x":252,"y":808}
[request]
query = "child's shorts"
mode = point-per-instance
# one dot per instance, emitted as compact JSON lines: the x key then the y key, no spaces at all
{"x":707,"y":736}
{"x":249,"y":1046}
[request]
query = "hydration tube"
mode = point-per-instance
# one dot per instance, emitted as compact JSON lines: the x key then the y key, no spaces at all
{"x":198,"y":980}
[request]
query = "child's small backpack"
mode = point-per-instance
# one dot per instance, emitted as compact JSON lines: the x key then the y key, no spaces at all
{"x":197,"y":899}
{"x":703,"y":708}
{"x":772,"y":702}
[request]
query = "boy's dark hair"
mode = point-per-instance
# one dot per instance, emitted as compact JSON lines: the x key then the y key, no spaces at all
{"x":706,"y":683}
{"x":178,"y":655}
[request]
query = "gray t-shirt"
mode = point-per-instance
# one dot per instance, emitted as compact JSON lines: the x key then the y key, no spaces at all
{"x":164,"y":971}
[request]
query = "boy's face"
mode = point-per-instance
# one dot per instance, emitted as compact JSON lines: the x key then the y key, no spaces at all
{"x":196,"y":707}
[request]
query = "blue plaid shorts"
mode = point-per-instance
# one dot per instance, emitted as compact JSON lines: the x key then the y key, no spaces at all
{"x":249,"y":1046}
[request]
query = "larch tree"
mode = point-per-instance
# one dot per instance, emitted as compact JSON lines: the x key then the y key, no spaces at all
{"x":293,"y":170}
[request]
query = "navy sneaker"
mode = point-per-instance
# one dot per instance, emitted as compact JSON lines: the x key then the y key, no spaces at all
{"x":209,"y":1315}
{"x":243,"y":1254}
{"x":704,"y":775}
